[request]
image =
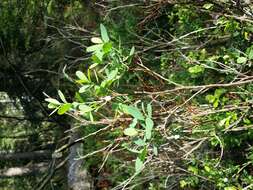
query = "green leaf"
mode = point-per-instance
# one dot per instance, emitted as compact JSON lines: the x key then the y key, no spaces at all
{"x":193,"y":169}
{"x":134,"y":123}
{"x":107,"y":47}
{"x":52,"y":106}
{"x":84,"y":108}
{"x":99,"y":55}
{"x":138,"y":165}
{"x":250,"y":54}
{"x":149,"y":126}
{"x":95,"y":60}
{"x":83,"y":88}
{"x":82,"y":76}
{"x":207,"y":168}
{"x":216,"y":103}
{"x":182,"y":183}
{"x":112,"y":75}
{"x":93,"y":65}
{"x":149,"y":110}
{"x":96,"y":40}
{"x":135,"y":112}
{"x":196,"y":69}
{"x":132,"y":51}
{"x":62,"y":97}
{"x":94,"y":48}
{"x":140,"y":142}
{"x":130,"y":132}
{"x":104,"y":33}
{"x":125,"y":145}
{"x":53,"y":101}
{"x":219,"y":92}
{"x":208,"y":5}
{"x":143,"y":154}
{"x":230,"y":188}
{"x":91,"y":117}
{"x":49,"y":7}
{"x":241,"y":60}
{"x":64,"y":108}
{"x":210,"y":98}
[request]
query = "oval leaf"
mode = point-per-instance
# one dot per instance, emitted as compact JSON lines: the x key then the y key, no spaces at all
{"x":135,"y":112}
{"x":93,"y":48}
{"x":62,"y":97}
{"x":53,"y":101}
{"x":83,"y":88}
{"x":85,"y":108}
{"x":104,"y":33}
{"x":138,"y":165}
{"x":64,"y":108}
{"x":96,"y":40}
{"x":130,"y":132}
{"x":241,"y":60}
{"x":149,"y":110}
{"x":82,"y":76}
{"x":149,"y":126}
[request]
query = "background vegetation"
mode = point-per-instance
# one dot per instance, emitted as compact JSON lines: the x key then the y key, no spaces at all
{"x":157,"y":94}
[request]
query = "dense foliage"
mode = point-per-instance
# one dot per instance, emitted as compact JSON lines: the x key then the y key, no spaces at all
{"x":160,"y":94}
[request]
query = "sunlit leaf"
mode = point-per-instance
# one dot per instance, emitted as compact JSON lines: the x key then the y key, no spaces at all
{"x":64,"y":108}
{"x":104,"y":33}
{"x":196,"y":69}
{"x":107,"y":47}
{"x":132,"y":51}
{"x":96,"y":40}
{"x":52,"y":106}
{"x":53,"y":101}
{"x":208,"y":5}
{"x":130,"y":132}
{"x":93,"y":48}
{"x":83,"y":88}
{"x":62,"y":97}
{"x":82,"y":76}
{"x":241,"y":60}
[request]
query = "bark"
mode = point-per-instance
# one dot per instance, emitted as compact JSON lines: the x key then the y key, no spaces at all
{"x":23,"y":171}
{"x":78,"y":177}
{"x":36,"y":155}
